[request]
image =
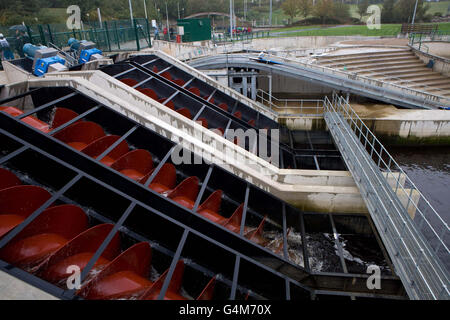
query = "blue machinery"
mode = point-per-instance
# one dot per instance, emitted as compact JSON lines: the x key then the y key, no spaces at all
{"x":84,"y":50}
{"x":44,"y":59}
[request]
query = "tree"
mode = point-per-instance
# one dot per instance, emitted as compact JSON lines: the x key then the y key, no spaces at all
{"x":324,"y":9}
{"x":305,"y":7}
{"x":387,"y":13}
{"x":362,"y":8}
{"x":291,"y":8}
{"x":341,"y":11}
{"x":404,"y":10}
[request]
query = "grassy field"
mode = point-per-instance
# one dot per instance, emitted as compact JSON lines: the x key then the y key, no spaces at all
{"x":386,"y":30}
{"x":442,"y":7}
{"x":296,"y":28}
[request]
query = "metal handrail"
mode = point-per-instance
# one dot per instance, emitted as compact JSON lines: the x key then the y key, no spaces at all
{"x":295,"y":52}
{"x":390,"y":163}
{"x":436,"y":36}
{"x":419,"y":256}
{"x":419,"y":47}
{"x":319,"y":104}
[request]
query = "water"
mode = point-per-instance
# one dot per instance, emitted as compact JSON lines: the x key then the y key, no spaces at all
{"x":358,"y":251}
{"x":429,"y":169}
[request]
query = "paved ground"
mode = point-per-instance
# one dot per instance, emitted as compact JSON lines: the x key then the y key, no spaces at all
{"x":14,"y":289}
{"x":351,"y":50}
{"x":382,"y":111}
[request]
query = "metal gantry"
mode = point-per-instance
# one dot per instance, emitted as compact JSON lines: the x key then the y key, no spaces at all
{"x":336,"y":79}
{"x":412,"y":231}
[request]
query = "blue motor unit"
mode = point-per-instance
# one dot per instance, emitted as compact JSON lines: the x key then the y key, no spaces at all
{"x":42,"y":65}
{"x":85,"y":50}
{"x":44,"y":59}
{"x":87,"y":55}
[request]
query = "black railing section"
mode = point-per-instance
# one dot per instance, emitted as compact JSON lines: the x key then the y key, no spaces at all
{"x":244,"y":261}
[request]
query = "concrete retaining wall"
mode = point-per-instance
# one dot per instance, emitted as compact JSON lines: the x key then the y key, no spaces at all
{"x":408,"y":127}
{"x":287,"y":85}
{"x":303,"y":42}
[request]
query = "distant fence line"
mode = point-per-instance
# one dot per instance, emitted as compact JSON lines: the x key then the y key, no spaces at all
{"x":115,"y":35}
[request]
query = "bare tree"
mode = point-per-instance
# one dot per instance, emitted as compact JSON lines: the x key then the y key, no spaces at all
{"x":362,"y":8}
{"x":324,"y":9}
{"x":291,"y":8}
{"x":305,"y":7}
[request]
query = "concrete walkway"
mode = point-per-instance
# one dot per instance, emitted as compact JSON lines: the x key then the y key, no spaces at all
{"x":12,"y":288}
{"x":3,"y":79}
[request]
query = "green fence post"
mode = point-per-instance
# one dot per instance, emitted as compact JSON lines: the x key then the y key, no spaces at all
{"x":29,"y":34}
{"x":137,"y":35}
{"x":95,"y":35}
{"x":41,"y":32}
{"x":91,"y":35}
{"x":148,"y":33}
{"x":50,"y":33}
{"x":107,"y":36}
{"x":117,"y":35}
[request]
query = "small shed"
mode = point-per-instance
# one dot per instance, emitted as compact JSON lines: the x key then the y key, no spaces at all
{"x":195,"y":29}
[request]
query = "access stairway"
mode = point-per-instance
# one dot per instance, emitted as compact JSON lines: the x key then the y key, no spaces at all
{"x":400,"y":67}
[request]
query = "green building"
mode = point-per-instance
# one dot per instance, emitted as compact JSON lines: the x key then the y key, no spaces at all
{"x":195,"y":29}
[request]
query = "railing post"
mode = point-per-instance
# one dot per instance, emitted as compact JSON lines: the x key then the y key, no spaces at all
{"x":117,"y":34}
{"x":29,"y":34}
{"x":138,"y":46}
{"x":41,"y":32}
{"x":409,"y":199}
{"x":149,"y":35}
{"x":380,"y":155}
{"x":107,"y":36}
{"x":94,"y":34}
{"x":50,"y":33}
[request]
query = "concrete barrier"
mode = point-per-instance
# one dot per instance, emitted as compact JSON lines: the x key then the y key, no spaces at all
{"x":397,"y":127}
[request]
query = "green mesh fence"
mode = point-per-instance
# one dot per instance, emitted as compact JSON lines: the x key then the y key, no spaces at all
{"x":116,"y":35}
